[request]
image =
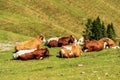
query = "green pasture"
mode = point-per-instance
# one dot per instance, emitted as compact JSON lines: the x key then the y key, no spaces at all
{"x":56,"y":17}
{"x":101,"y":65}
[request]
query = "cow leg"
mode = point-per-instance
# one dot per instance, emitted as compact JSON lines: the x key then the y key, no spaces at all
{"x":40,"y":58}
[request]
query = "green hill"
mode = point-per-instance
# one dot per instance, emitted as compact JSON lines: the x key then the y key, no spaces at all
{"x":56,"y":17}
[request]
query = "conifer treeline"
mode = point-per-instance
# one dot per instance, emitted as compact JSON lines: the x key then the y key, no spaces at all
{"x":95,"y":29}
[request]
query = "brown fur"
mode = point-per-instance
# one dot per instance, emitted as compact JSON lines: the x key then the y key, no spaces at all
{"x":110,"y":42}
{"x":76,"y":50}
{"x":53,"y":43}
{"x":30,"y":44}
{"x":65,"y":40}
{"x":37,"y":54}
{"x":94,"y":45}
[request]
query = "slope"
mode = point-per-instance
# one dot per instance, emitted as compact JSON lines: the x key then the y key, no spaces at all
{"x":55,"y":17}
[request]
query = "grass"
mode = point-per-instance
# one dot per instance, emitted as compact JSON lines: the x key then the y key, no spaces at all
{"x":54,"y":17}
{"x":102,"y":65}
{"x":7,"y":36}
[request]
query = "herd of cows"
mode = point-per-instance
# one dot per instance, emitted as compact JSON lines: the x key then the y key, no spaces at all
{"x":69,"y":47}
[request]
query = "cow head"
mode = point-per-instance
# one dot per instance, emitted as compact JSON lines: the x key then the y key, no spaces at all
{"x":72,"y":39}
{"x":41,"y":53}
{"x":41,"y":38}
{"x":81,"y":41}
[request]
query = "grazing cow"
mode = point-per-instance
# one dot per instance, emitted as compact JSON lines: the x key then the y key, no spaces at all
{"x":110,"y":42}
{"x":33,"y":54}
{"x":94,"y":45}
{"x":52,"y":42}
{"x":66,"y":40}
{"x":30,"y":44}
{"x":70,"y":51}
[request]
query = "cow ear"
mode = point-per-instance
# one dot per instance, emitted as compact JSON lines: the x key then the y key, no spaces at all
{"x":71,"y":35}
{"x":107,"y":39}
{"x":41,"y":37}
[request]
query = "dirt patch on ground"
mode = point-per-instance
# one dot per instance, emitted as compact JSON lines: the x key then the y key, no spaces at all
{"x":6,"y":46}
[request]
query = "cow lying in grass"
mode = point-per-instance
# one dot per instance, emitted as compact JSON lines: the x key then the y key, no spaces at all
{"x":31,"y":54}
{"x":58,"y":42}
{"x":52,"y":42}
{"x":110,"y":43}
{"x":66,"y":40}
{"x":94,"y":45}
{"x":70,"y":51}
{"x":30,"y":44}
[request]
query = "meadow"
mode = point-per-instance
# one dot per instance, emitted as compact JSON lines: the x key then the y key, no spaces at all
{"x":101,"y":65}
{"x":24,"y":19}
{"x":56,"y":17}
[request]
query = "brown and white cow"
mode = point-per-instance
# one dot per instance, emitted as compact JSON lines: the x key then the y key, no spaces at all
{"x":30,"y":44}
{"x":110,"y":43}
{"x":94,"y":45}
{"x":52,"y":42}
{"x":31,"y":54}
{"x":66,"y":40}
{"x":70,"y":51}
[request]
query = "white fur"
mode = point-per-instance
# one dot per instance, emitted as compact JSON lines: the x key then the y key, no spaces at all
{"x":55,"y":38}
{"x":20,"y":52}
{"x":75,"y":41}
{"x":85,"y":50}
{"x":81,"y":41}
{"x":68,"y":47}
{"x":105,"y":44}
{"x":44,"y":40}
{"x":62,"y":51}
{"x":71,"y":53}
{"x":41,"y":58}
{"x":115,"y":47}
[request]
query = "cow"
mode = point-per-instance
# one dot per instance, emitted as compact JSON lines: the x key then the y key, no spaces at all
{"x":70,"y":51}
{"x":81,"y":41}
{"x":110,"y":42}
{"x":66,"y":40}
{"x":32,"y":54}
{"x":30,"y":44}
{"x":52,"y":42}
{"x":94,"y":45}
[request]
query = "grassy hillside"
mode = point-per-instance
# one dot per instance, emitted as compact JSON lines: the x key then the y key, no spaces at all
{"x":6,"y":36}
{"x":56,"y":17}
{"x":102,"y":65}
{"x":9,"y":39}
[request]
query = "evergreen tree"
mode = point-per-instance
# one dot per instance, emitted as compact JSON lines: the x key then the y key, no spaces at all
{"x":111,"y":32}
{"x":103,"y":30}
{"x":96,"y":29}
{"x":87,"y":33}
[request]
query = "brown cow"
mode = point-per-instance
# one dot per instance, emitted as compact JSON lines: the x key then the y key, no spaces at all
{"x":66,"y":40}
{"x":36,"y":54}
{"x":110,"y":42}
{"x":70,"y":51}
{"x":94,"y":45}
{"x":30,"y":44}
{"x":52,"y":42}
